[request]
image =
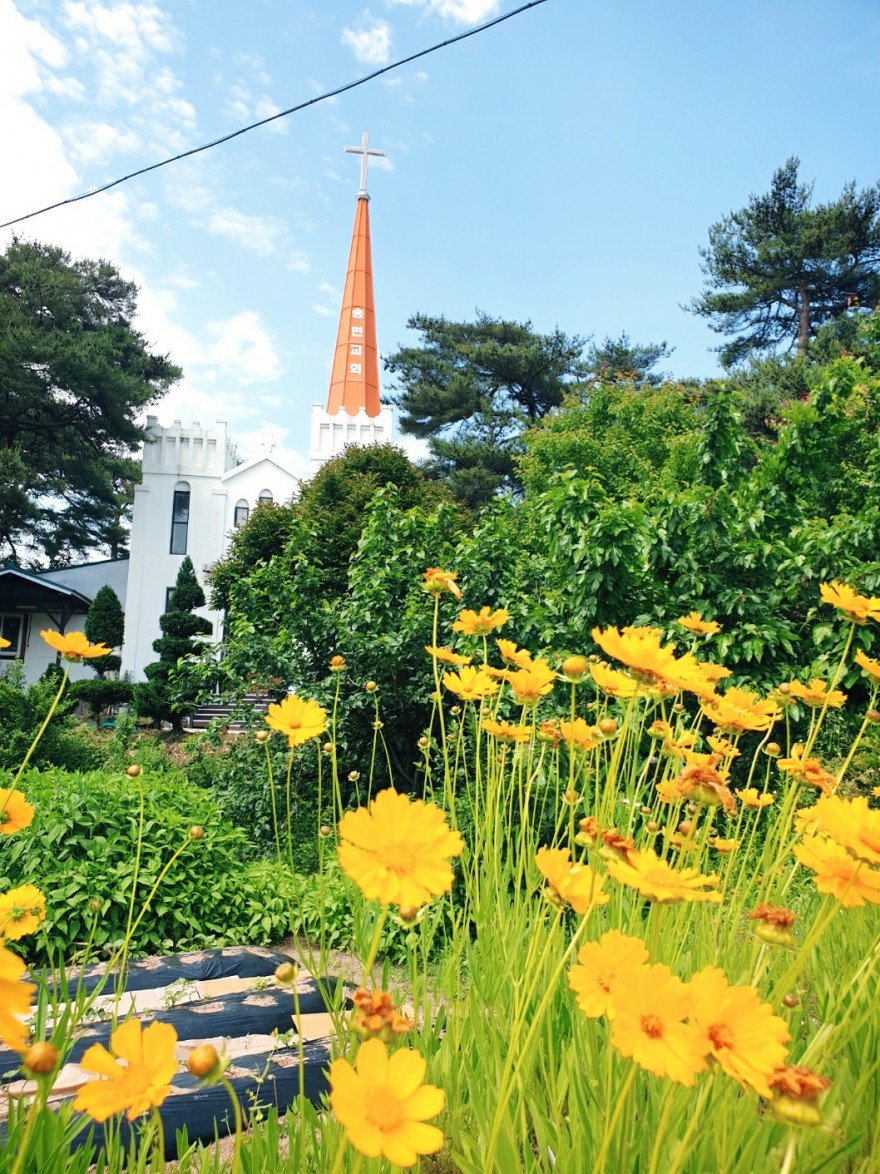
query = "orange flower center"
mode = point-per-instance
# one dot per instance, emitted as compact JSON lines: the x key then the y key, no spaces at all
{"x":652,"y":1026}
{"x":383,"y":1109}
{"x":603,"y":979}
{"x":720,"y":1035}
{"x":396,"y":858}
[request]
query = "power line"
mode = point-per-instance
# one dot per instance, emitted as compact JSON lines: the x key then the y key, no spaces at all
{"x":281,"y":114}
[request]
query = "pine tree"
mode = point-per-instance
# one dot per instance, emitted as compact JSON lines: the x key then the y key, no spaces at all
{"x":180,"y":627}
{"x":105,"y":624}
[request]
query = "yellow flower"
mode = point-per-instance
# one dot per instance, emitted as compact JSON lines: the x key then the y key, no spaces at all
{"x":15,"y":812}
{"x":573,"y":884}
{"x":506,"y":731}
{"x":838,"y":873}
{"x":852,"y":824}
{"x":142,"y":1084}
{"x":657,"y":881}
{"x":521,"y":657}
{"x":447,"y":655}
{"x":652,"y":662}
{"x":807,"y":770}
{"x":74,"y":646}
{"x":437,"y":581}
{"x":599,"y":968}
{"x":299,"y":720}
{"x":383,"y":1105}
{"x":613,"y":681}
{"x":21,"y":911}
{"x":739,"y":710}
{"x":470,"y":684}
{"x":872,"y":667}
{"x":694,"y":622}
{"x":578,"y":734}
{"x":481,"y":623}
{"x":714,"y":672}
{"x":671,"y":791}
{"x":650,"y":1009}
{"x":721,"y":845}
{"x":858,"y":608}
{"x":750,"y":797}
{"x":5,"y":643}
{"x":397,"y":851}
{"x":738,"y":1031}
{"x":532,"y":683}
{"x":704,"y":784}
{"x":723,"y":747}
{"x":15,"y":999}
{"x":816,"y":694}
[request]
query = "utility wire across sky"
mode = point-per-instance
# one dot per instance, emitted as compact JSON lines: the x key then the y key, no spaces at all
{"x":281,"y":113}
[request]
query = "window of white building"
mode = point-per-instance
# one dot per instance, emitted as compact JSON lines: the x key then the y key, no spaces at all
{"x":12,"y":629}
{"x":242,"y":512}
{"x":180,"y":518}
{"x":266,"y":495}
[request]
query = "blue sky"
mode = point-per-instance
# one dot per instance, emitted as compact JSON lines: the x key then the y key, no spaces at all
{"x":563,"y":167}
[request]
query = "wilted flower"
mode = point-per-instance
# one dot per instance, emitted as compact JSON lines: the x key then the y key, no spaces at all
{"x":437,"y":581}
{"x":795,"y":1095}
{"x":376,"y":1016}
{"x":807,"y":770}
{"x":774,"y":924}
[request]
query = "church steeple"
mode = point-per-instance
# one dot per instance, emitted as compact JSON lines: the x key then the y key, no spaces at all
{"x":354,"y":382}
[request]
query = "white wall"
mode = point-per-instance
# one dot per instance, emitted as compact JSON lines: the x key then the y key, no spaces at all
{"x":37,"y":653}
{"x":330,"y":434}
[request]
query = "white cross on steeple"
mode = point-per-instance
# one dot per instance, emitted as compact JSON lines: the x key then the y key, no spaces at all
{"x":364,"y":151}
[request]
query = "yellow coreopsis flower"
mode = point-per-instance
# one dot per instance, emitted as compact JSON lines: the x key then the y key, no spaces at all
{"x":807,"y":770}
{"x":299,"y":720}
{"x":578,"y":734}
{"x":74,"y":646}
{"x":858,"y":608}
{"x":570,"y":883}
{"x":15,"y":999}
{"x":852,"y":824}
{"x":470,"y":684}
{"x":532,"y":683}
{"x":817,"y":694}
{"x":383,"y":1105}
{"x":447,"y":656}
{"x":437,"y":581}
{"x":651,"y":1007}
{"x":141,"y":1084}
{"x":658,"y":881}
{"x":506,"y":731}
{"x":695,"y":623}
{"x":738,"y":1031}
{"x":481,"y":623}
{"x":871,"y":667}
{"x":21,"y":911}
{"x":15,"y":812}
{"x":751,"y":797}
{"x":521,"y":657}
{"x":599,"y":968}
{"x":838,"y":872}
{"x":614,"y":682}
{"x":739,"y":710}
{"x":722,"y":747}
{"x":397,"y":851}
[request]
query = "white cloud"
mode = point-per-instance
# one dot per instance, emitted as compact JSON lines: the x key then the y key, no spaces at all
{"x":328,"y":288}
{"x":243,"y":350}
{"x":255,"y":233}
{"x":95,"y":143}
{"x":460,"y":11}
{"x":298,"y":263}
{"x":323,"y":311}
{"x":371,"y":45}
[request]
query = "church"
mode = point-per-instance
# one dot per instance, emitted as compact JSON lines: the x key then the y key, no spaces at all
{"x":195,"y":489}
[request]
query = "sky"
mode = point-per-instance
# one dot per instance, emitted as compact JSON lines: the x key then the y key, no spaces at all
{"x":560,"y":168}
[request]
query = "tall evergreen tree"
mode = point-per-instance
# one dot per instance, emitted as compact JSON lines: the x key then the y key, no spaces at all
{"x":105,"y":624}
{"x":780,"y":267}
{"x":180,"y":629}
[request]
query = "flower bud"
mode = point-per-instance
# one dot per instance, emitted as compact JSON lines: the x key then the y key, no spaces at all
{"x":686,"y":827}
{"x":40,"y":1058}
{"x":371,"y":686}
{"x":607,"y":726}
{"x":204,"y":1061}
{"x":261,"y":736}
{"x":337,"y":664}
{"x":353,"y":776}
{"x":325,"y":831}
{"x":327,"y":747}
{"x":133,"y":771}
{"x":790,"y":1000}
{"x":286,"y":973}
{"x":873,"y":715}
{"x":795,"y":1111}
{"x":773,"y":749}
{"x":678,"y":707}
{"x":573,"y":668}
{"x":571,"y":796}
{"x":408,"y":913}
{"x":784,"y":688}
{"x":653,"y":826}
{"x":196,"y":832}
{"x":95,"y":905}
{"x":424,"y":743}
{"x":455,"y":710}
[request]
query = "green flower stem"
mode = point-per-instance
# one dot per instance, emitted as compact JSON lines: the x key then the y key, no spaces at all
{"x":611,"y":1123}
{"x":42,"y":729}
{"x":374,"y":945}
{"x":858,"y":738}
{"x":838,"y":672}
{"x":239,"y":1125}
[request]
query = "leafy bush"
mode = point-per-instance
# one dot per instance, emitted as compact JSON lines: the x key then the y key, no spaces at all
{"x":81,"y":852}
{"x":22,"y":710}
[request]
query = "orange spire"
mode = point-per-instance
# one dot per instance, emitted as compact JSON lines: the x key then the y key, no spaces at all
{"x":354,"y":383}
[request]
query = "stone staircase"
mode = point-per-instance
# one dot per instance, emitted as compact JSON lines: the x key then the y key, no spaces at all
{"x":206,"y":714}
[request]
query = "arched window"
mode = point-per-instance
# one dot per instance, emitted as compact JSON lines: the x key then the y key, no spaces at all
{"x":180,"y":518}
{"x":242,"y":512}
{"x":266,"y":495}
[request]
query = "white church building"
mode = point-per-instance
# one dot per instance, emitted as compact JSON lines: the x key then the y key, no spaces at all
{"x":195,"y":490}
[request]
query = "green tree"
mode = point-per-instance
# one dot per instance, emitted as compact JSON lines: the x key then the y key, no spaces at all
{"x":619,"y":360}
{"x":780,"y":267}
{"x":74,"y":377}
{"x":470,"y":388}
{"x":105,"y":624}
{"x":180,"y":629}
